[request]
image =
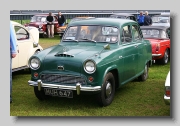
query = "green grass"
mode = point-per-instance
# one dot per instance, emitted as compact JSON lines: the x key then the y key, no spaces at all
{"x":132,"y":99}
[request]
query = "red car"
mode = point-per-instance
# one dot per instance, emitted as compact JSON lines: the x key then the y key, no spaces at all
{"x":39,"y":21}
{"x":159,"y":37}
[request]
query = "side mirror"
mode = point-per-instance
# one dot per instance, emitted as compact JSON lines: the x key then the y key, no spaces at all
{"x":35,"y":44}
{"x":107,"y":46}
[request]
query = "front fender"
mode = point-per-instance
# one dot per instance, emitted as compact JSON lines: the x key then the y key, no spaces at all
{"x":109,"y":68}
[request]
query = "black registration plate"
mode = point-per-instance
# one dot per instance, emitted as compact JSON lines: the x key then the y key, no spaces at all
{"x":58,"y":92}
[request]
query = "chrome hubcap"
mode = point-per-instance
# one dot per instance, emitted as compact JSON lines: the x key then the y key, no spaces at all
{"x":108,"y":89}
{"x":145,"y":71}
{"x":166,"y":57}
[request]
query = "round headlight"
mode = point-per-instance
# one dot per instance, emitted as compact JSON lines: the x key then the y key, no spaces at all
{"x":90,"y":67}
{"x":34,"y":63}
{"x":40,"y":26}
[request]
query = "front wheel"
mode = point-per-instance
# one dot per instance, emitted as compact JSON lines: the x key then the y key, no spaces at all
{"x":105,"y":97}
{"x":165,"y":59}
{"x":145,"y":74}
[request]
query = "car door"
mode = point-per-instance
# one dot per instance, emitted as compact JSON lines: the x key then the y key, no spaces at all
{"x":129,"y":53}
{"x":24,"y":44}
{"x":140,"y":45}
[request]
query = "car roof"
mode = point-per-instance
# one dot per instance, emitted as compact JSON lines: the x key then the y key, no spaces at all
{"x":161,"y":16}
{"x":15,"y":23}
{"x":155,"y":27}
{"x":103,"y":21}
{"x":84,"y":17}
{"x":43,"y":15}
{"x":122,"y":14}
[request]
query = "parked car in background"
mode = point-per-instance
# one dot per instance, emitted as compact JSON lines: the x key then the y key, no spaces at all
{"x":27,"y":45}
{"x":63,"y":28}
{"x":95,"y":56}
{"x":39,"y":21}
{"x":158,"y":36}
{"x":124,"y":16}
{"x":167,"y":90}
{"x":161,"y":20}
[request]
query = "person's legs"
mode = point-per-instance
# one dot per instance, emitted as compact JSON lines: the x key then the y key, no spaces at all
{"x":48,"y":30}
{"x":10,"y":78}
{"x":52,"y":30}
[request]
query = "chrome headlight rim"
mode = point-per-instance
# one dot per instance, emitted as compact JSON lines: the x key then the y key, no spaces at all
{"x":39,"y":63}
{"x":84,"y":65}
{"x":40,"y":26}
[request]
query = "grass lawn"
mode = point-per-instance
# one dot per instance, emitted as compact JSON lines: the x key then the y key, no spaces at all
{"x":133,"y":99}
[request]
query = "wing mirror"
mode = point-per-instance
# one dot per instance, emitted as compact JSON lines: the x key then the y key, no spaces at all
{"x":107,"y":46}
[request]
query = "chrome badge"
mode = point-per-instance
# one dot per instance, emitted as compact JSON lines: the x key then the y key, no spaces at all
{"x":60,"y":68}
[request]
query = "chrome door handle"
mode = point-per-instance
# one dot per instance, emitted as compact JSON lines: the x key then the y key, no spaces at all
{"x":136,"y":46}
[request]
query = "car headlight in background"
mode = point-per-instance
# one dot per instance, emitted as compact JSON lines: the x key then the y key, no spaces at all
{"x":40,"y":26}
{"x":34,"y":63}
{"x":89,"y":66}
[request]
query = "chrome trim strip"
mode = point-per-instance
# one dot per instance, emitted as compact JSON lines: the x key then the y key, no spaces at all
{"x":156,"y":54}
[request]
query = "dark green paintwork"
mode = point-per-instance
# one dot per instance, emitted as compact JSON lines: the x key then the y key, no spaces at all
{"x":127,"y":68}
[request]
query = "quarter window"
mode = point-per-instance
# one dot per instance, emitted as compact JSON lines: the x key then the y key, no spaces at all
{"x":126,"y":34}
{"x":21,"y":33}
{"x":135,"y":32}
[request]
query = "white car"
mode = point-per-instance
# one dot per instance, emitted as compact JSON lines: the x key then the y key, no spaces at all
{"x":167,"y":90}
{"x":161,"y":20}
{"x":27,"y":45}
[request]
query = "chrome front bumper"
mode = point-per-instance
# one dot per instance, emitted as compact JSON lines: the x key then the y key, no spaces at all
{"x":77,"y":88}
{"x":167,"y":100}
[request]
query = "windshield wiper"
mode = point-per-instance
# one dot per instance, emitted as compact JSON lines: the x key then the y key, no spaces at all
{"x":70,"y":40}
{"x":87,"y":39}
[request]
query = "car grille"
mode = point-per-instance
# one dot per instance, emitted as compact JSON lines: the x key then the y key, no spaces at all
{"x":63,"y":79}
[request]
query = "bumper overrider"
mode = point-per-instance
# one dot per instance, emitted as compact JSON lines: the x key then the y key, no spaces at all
{"x":167,"y":100}
{"x":77,"y":88}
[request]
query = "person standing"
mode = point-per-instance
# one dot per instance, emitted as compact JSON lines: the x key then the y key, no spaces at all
{"x":61,"y":19}
{"x":50,"y":25}
{"x":13,"y":53}
{"x":147,"y":19}
{"x":140,"y":19}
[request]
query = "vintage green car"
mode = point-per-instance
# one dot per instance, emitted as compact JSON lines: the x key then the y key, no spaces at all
{"x":95,"y":56}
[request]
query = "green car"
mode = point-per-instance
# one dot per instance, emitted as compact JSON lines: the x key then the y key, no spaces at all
{"x":95,"y":56}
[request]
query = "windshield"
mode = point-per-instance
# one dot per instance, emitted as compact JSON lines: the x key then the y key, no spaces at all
{"x":38,"y":19}
{"x":153,"y":33}
{"x":91,"y":34}
{"x":161,"y":19}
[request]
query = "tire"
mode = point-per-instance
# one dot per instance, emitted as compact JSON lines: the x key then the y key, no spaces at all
{"x":40,"y":94}
{"x":106,"y":96}
{"x":165,"y":59}
{"x":144,"y":76}
{"x":44,"y":35}
{"x":36,"y":52}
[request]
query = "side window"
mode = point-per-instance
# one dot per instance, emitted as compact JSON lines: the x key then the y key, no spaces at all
{"x":55,"y":18}
{"x":164,"y":35}
{"x":168,"y":32}
{"x":135,"y":32}
{"x":126,"y":34}
{"x":21,"y":33}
